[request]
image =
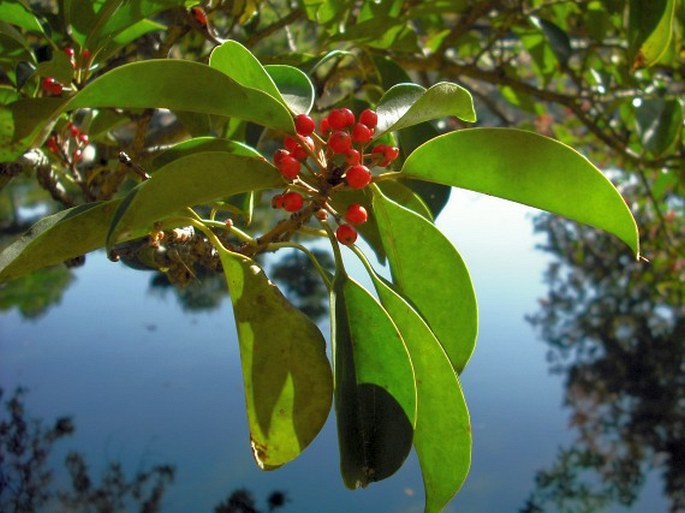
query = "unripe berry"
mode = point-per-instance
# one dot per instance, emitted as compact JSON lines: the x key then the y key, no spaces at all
{"x":358,"y":176}
{"x":369,"y":118}
{"x":361,"y":134}
{"x":339,"y":119}
{"x":340,"y":142}
{"x":293,"y":201}
{"x":356,"y":214}
{"x":321,"y":214}
{"x":346,"y":234}
{"x":52,"y":86}
{"x":304,"y":125}
{"x":289,"y":167}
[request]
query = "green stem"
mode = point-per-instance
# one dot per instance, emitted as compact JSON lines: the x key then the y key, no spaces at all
{"x":322,"y":272}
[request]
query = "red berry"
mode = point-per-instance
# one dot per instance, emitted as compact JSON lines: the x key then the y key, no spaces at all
{"x":385,"y":154}
{"x":358,"y":176}
{"x":199,"y":15}
{"x":277,"y":201}
{"x":290,"y":143}
{"x":85,"y":55}
{"x":75,"y":132}
{"x":77,"y":155}
{"x":299,"y":152}
{"x":346,"y":234}
{"x":304,"y":125}
{"x":324,"y":127}
{"x":279,"y":155}
{"x":361,"y":134}
{"x":353,"y":157}
{"x":83,"y":138}
{"x":293,"y":201}
{"x":369,"y":118}
{"x":52,"y":86}
{"x":340,"y":142}
{"x":69,"y":51}
{"x":53,"y":146}
{"x":356,"y":214}
{"x":339,"y":119}
{"x":289,"y":167}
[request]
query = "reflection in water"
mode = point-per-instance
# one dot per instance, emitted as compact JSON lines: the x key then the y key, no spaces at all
{"x":26,"y":480}
{"x":616,"y":330}
{"x":33,"y":294}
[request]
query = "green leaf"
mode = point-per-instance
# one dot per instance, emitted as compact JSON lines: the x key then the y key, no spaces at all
{"x":59,"y":67}
{"x":295,"y":87}
{"x":16,"y":13}
{"x":658,"y":123}
{"x":527,"y":168}
{"x":287,"y":377}
{"x":238,"y":63}
{"x":194,"y":179}
{"x":22,"y":122}
{"x":557,"y":38}
{"x":650,"y":29}
{"x":405,"y":105}
{"x":58,"y":237}
{"x":173,"y":84}
{"x":375,"y":393}
{"x":419,"y":253}
{"x":442,"y":437}
{"x":204,"y":144}
{"x":381,"y":32}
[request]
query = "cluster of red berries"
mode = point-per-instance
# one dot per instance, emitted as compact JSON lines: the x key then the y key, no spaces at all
{"x":69,"y":145}
{"x":340,"y":156}
{"x":54,"y":87}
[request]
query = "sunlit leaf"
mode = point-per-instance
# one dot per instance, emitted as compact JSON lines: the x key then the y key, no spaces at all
{"x":375,"y":394}
{"x":557,"y":38}
{"x":194,"y":179}
{"x":420,"y":254}
{"x":650,"y":29}
{"x":442,"y":437}
{"x":56,"y":238}
{"x":295,"y":87}
{"x":238,"y":63}
{"x":172,"y":84}
{"x":659,"y":123}
{"x":16,"y":13}
{"x":287,"y":377}
{"x":527,"y":168}
{"x":405,"y":105}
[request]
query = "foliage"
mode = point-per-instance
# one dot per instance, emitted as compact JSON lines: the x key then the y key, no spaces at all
{"x":153,"y":118}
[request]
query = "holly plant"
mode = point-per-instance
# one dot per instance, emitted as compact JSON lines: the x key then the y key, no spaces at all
{"x":288,"y":170}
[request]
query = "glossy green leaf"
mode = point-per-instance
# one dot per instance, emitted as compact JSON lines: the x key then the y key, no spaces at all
{"x":58,"y":237}
{"x":204,"y":144}
{"x":381,"y":32}
{"x":557,"y":38}
{"x":442,"y":437}
{"x":650,"y":29}
{"x":659,"y":123}
{"x":59,"y":67}
{"x":191,"y":180}
{"x":238,"y":63}
{"x":405,"y":105}
{"x":172,"y":84}
{"x":16,"y":13}
{"x":527,"y":168}
{"x":295,"y":87}
{"x":375,"y":393}
{"x":24,"y":121}
{"x":287,"y":377}
{"x":418,"y":254}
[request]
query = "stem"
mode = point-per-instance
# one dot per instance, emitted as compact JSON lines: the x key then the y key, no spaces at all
{"x":322,"y":272}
